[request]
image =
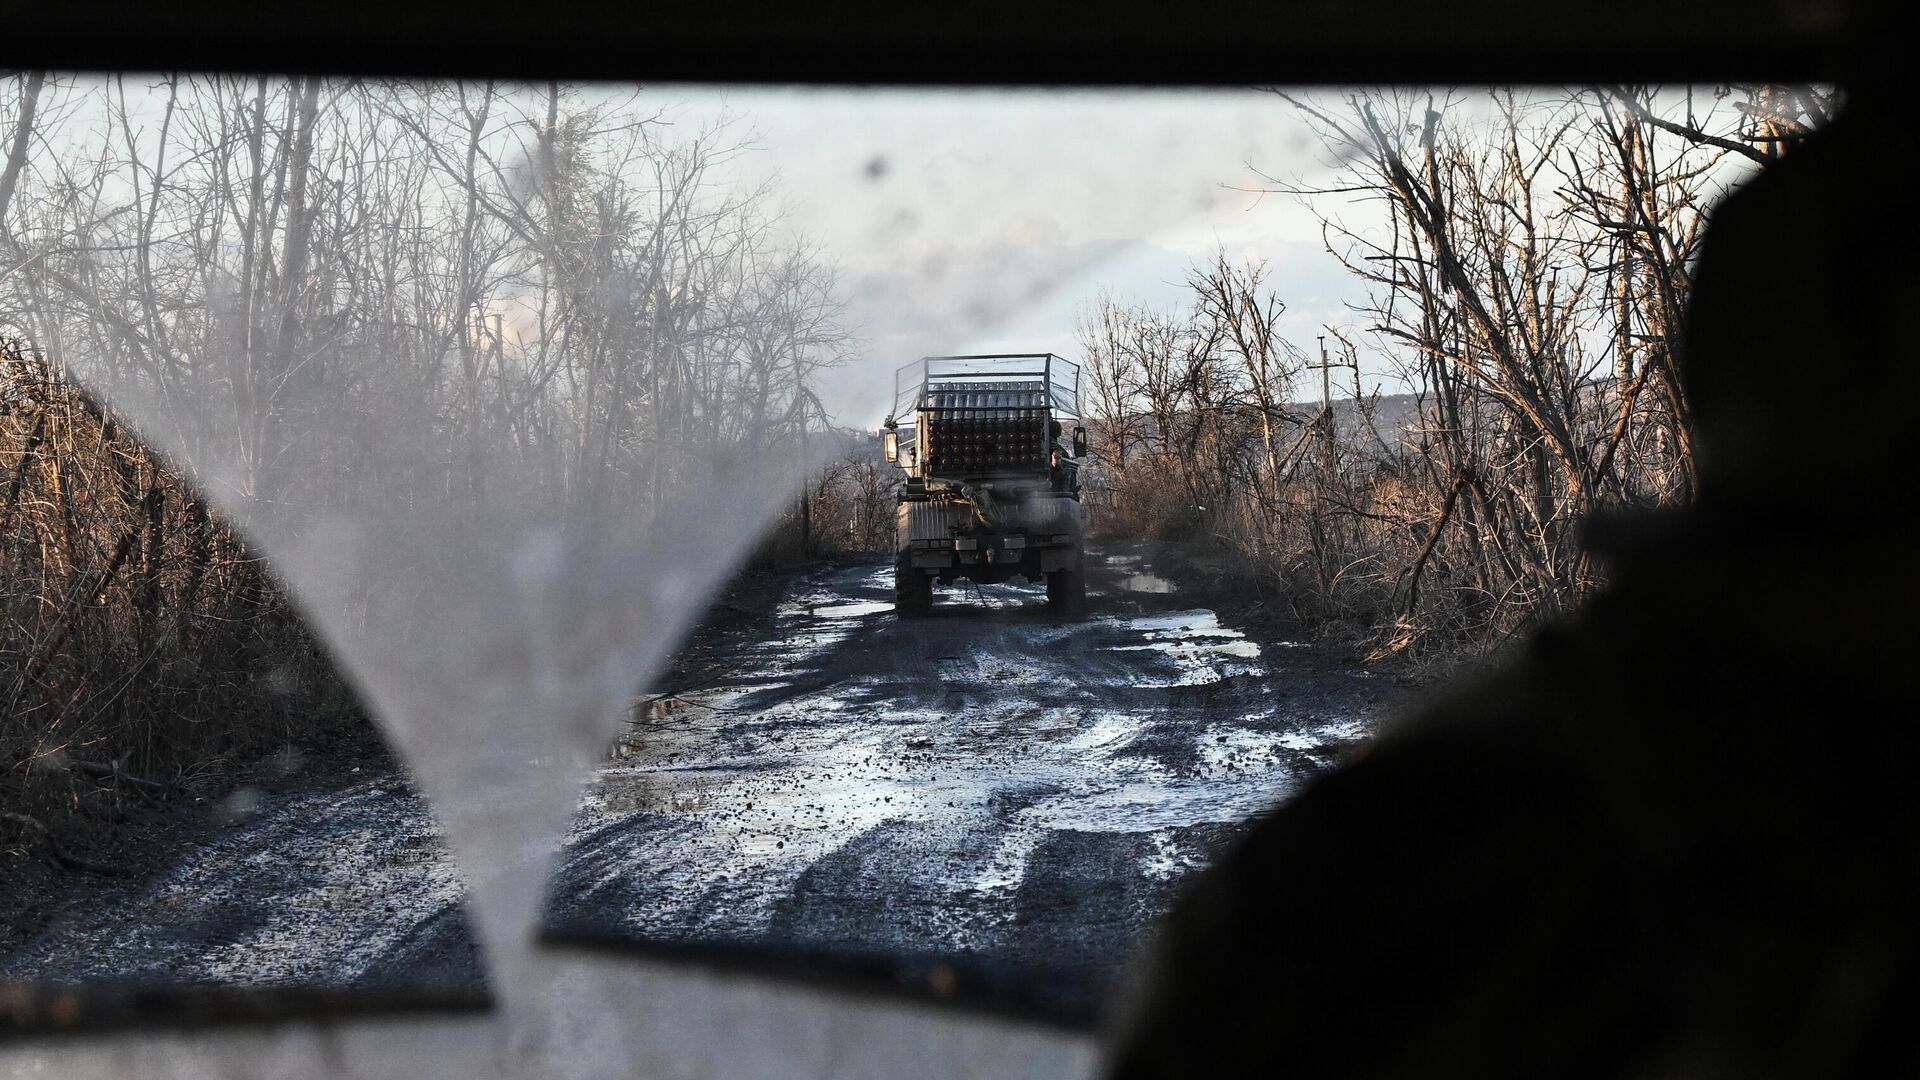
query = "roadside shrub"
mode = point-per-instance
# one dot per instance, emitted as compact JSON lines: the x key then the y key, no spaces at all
{"x":142,"y":648}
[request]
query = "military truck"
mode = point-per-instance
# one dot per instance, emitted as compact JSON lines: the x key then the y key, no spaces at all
{"x":992,"y":492}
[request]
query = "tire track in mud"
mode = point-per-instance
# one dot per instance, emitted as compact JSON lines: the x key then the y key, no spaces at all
{"x":991,"y":782}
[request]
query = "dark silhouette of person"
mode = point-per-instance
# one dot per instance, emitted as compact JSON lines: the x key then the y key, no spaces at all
{"x":1678,"y":834}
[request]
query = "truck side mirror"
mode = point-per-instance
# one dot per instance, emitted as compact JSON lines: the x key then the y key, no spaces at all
{"x":892,"y":442}
{"x":1079,"y":441}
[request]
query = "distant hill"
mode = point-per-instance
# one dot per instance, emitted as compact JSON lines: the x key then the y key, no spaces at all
{"x":1392,"y":415}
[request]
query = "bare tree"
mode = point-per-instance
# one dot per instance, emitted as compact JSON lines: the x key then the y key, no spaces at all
{"x":1525,"y":279}
{"x":461,"y":296}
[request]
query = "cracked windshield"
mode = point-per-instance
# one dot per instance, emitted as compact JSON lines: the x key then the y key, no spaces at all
{"x":461,"y":538}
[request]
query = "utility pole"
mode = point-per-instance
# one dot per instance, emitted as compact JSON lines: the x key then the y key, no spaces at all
{"x":1326,"y":367}
{"x":1329,"y":458}
{"x":1326,"y":382}
{"x":1316,"y":525}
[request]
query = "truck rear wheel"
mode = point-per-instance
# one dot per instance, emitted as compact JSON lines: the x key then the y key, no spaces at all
{"x":1067,"y":589}
{"x":912,"y":590}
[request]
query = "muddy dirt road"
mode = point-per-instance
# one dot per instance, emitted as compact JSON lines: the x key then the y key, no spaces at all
{"x":991,"y":783}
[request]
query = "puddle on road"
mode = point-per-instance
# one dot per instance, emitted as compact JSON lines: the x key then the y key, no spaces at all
{"x":1195,"y":644}
{"x":1325,"y":733}
{"x":1146,"y":583}
{"x":1006,"y":595}
{"x":1198,"y":622}
{"x":1154,"y":804}
{"x":851,"y":611}
{"x":1244,"y":649}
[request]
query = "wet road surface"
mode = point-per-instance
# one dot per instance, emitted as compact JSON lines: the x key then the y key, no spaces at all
{"x":993,"y":783}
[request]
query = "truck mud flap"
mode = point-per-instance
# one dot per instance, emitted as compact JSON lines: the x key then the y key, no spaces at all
{"x":1059,"y":558}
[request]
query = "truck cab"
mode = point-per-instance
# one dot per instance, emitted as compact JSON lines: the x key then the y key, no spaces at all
{"x":991,"y":447}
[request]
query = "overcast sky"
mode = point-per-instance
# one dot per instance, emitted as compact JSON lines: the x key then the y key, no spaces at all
{"x":988,"y":220}
{"x":980,"y":221}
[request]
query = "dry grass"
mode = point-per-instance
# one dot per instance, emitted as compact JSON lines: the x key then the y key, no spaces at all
{"x":143,"y":651}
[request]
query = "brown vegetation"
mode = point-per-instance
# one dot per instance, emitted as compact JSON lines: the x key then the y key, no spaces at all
{"x":142,"y":648}
{"x":428,"y":299}
{"x":848,"y":505}
{"x":1526,"y":285}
